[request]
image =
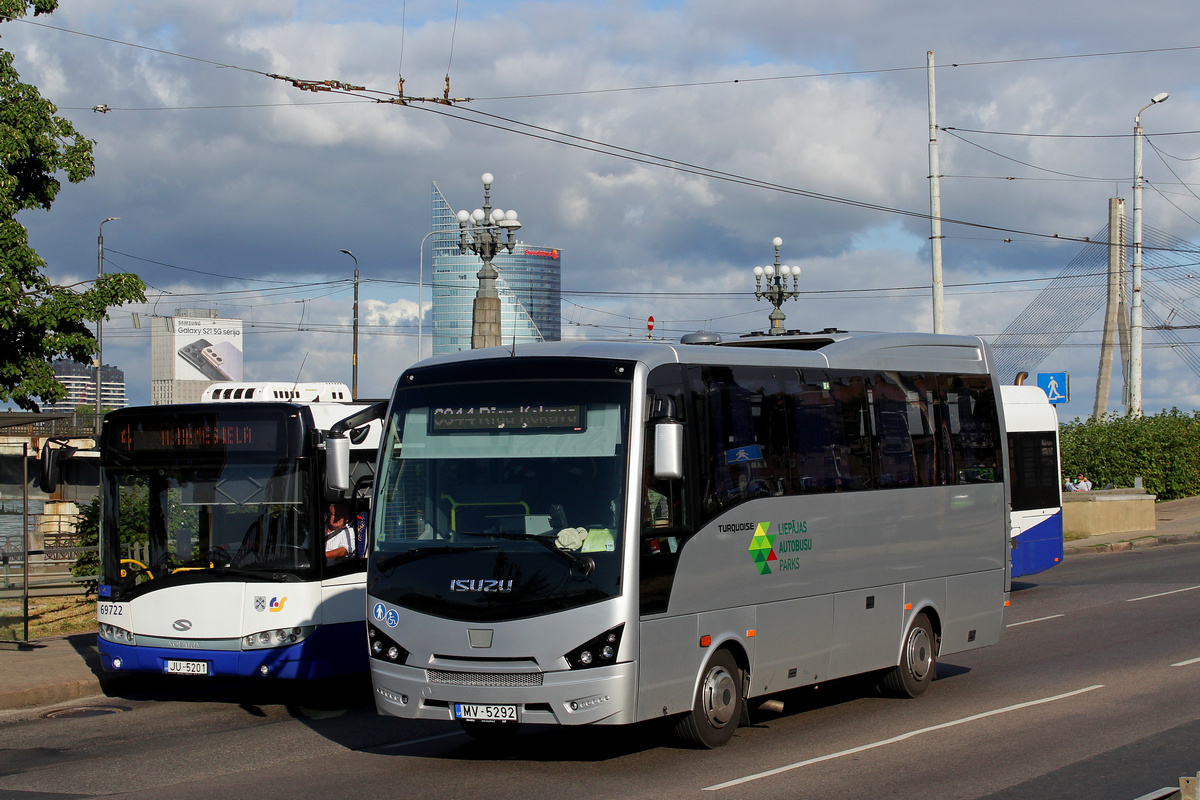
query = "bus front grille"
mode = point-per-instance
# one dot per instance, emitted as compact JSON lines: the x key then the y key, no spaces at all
{"x":483,"y":678}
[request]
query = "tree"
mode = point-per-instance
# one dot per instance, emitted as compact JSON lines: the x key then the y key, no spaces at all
{"x":40,"y":321}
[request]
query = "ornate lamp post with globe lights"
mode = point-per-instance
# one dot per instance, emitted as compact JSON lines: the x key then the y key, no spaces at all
{"x":482,"y":232}
{"x":777,"y":291}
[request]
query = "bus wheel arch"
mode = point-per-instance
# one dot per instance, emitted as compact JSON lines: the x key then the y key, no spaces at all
{"x":918,"y":658}
{"x":719,"y":702}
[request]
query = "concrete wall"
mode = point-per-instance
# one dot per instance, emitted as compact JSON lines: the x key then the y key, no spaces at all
{"x":1108,"y":511}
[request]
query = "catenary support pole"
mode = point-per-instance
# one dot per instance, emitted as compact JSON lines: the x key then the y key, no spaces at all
{"x":935,"y":206}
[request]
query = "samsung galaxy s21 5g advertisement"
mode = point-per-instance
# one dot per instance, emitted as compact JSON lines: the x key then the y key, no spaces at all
{"x":208,"y":349}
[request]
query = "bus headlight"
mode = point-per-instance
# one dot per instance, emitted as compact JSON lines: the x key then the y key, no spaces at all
{"x":384,"y":648}
{"x":114,"y":634}
{"x":277,"y":637}
{"x":598,"y":652}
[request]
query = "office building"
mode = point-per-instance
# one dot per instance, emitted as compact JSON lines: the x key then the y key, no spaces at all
{"x":529,"y":287}
{"x":80,"y":382}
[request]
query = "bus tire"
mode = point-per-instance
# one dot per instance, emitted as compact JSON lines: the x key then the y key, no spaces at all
{"x":490,"y":731}
{"x":717,"y":709}
{"x":918,"y":661}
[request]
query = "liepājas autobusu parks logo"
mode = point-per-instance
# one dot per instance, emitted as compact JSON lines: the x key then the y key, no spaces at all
{"x":765,"y":547}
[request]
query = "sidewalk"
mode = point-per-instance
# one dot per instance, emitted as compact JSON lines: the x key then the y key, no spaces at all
{"x":1177,"y":522}
{"x":47,"y":671}
{"x":66,"y":668}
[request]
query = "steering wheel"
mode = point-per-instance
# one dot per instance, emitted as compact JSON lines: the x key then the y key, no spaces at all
{"x":221,"y":556}
{"x":135,"y":573}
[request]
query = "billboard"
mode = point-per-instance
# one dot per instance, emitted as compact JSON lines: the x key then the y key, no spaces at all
{"x":207,"y":349}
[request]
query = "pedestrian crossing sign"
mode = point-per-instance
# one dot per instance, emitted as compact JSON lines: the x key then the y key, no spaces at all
{"x":1056,"y":385}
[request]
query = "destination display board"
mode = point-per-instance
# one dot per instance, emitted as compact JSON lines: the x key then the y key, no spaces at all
{"x":196,"y":435}
{"x":510,"y":419}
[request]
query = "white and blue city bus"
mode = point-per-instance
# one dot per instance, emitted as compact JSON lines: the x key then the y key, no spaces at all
{"x":212,"y":535}
{"x":604,"y":533}
{"x":1036,"y":477}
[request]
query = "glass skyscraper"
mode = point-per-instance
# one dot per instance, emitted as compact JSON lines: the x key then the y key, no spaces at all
{"x":529,"y":287}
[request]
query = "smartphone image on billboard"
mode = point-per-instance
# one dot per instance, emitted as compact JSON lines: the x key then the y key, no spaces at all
{"x":201,"y":355}
{"x":228,"y":359}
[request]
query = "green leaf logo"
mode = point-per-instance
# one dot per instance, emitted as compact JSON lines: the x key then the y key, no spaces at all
{"x":762,"y":548}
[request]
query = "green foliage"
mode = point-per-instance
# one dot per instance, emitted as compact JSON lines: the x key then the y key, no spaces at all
{"x":40,"y":321}
{"x":135,"y":522}
{"x":1164,"y":450}
{"x":87,"y":529}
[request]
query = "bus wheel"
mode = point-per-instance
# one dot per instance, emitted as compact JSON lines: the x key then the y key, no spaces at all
{"x":490,"y":731}
{"x":718,"y":706}
{"x":918,"y":661}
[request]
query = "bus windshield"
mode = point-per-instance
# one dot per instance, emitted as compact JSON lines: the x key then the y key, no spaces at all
{"x":502,"y":500}
{"x":204,"y":520}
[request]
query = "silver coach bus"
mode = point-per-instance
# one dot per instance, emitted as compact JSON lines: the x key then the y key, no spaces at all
{"x":604,"y":533}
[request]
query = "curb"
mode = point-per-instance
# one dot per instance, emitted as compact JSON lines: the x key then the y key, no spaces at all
{"x":37,"y":696}
{"x":1132,"y":544}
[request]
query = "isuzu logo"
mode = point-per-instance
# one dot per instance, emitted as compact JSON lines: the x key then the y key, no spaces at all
{"x":182,"y":625}
{"x":480,"y":585}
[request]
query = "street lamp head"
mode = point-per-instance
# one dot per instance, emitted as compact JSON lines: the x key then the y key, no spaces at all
{"x":758,"y":272}
{"x":347,"y":252}
{"x":477,"y":215}
{"x":114,"y":219}
{"x":497,"y":214}
{"x":487,"y":179}
{"x":777,"y":241}
{"x":463,"y":217}
{"x":1158,"y":98}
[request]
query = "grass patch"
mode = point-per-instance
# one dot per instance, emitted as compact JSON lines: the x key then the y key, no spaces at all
{"x":48,"y":616}
{"x":1074,"y":537}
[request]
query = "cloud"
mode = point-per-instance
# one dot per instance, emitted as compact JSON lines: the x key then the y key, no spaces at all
{"x":227,"y":180}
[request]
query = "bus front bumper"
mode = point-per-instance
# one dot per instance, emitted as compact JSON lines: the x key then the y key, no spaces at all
{"x":331,"y":650}
{"x":598,"y":696}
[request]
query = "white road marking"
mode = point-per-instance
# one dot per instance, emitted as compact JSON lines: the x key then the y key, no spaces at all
{"x":1162,"y":794}
{"x":394,"y":745}
{"x":1039,"y":619}
{"x":1161,"y":594}
{"x":1187,"y":663}
{"x":902,"y":737}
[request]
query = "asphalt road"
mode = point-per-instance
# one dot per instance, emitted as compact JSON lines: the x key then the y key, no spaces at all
{"x":1093,"y":692}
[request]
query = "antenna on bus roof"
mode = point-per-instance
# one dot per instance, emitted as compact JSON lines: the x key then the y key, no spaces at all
{"x":296,"y":382}
{"x":513,"y":354}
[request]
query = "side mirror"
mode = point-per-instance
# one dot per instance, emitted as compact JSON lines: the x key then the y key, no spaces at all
{"x":337,"y":462}
{"x":668,"y":450}
{"x":48,"y":469}
{"x":50,"y":464}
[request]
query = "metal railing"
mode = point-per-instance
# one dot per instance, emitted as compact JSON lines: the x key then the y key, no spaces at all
{"x":78,"y":425}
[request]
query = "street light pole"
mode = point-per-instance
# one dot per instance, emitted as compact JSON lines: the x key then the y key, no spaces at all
{"x":100,"y":321}
{"x":777,"y":291}
{"x":354,"y":362}
{"x":486,"y":228}
{"x":1135,"y":310}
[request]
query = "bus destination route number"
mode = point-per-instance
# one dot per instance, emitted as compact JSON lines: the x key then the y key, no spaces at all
{"x":515,"y":418}
{"x":198,"y":435}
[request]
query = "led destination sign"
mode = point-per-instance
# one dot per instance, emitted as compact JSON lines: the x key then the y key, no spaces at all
{"x":197,"y":435}
{"x":508,"y":419}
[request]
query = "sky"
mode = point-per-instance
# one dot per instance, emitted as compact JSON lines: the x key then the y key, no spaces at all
{"x":659,"y":145}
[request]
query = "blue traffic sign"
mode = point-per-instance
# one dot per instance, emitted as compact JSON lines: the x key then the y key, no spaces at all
{"x":1056,"y":385}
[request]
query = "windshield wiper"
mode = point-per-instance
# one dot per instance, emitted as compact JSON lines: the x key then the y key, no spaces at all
{"x":276,"y":576}
{"x":395,"y":560}
{"x":585,"y":563}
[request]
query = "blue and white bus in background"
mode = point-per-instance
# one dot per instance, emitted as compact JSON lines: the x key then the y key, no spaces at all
{"x":1036,"y":477}
{"x":599,"y":533}
{"x":212,"y":534}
